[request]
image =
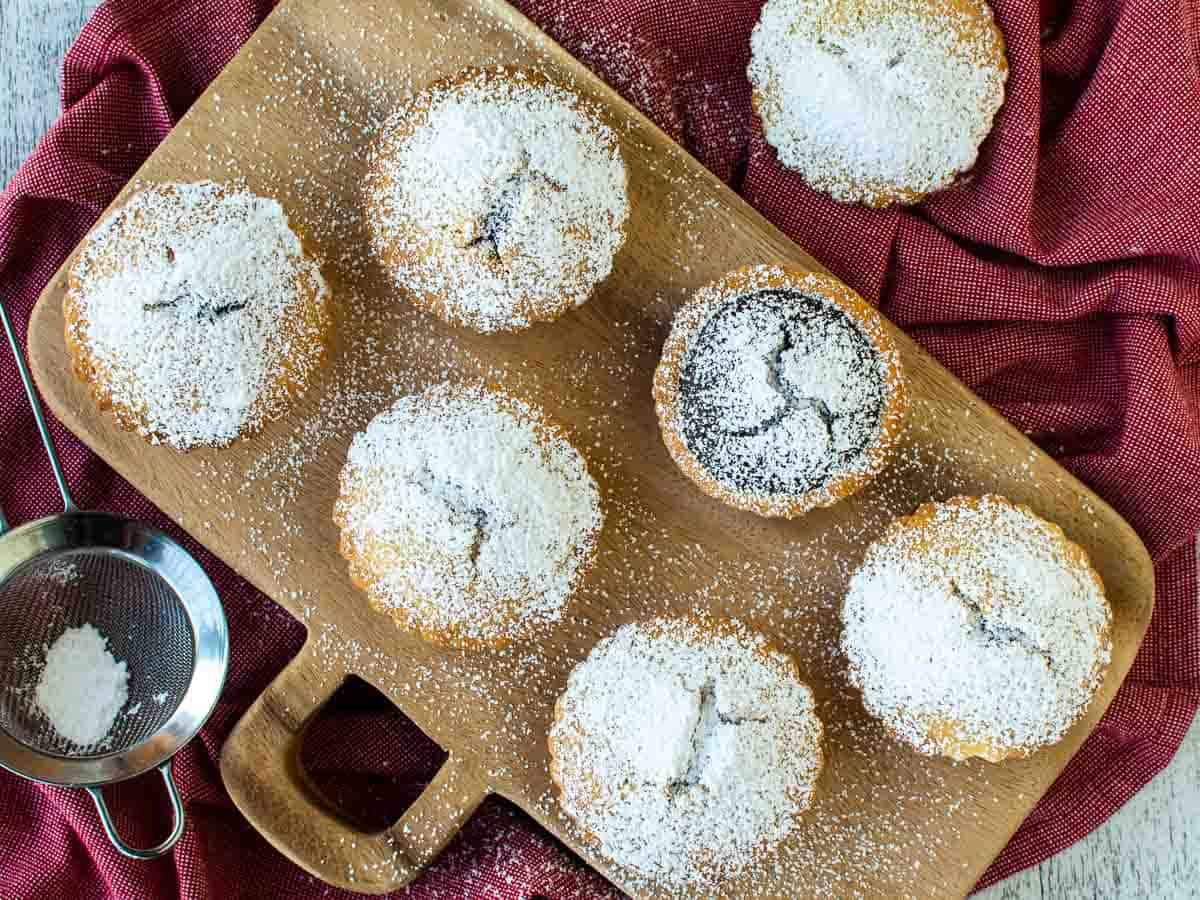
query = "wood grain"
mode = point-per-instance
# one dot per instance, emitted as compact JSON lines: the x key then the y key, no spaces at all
{"x":928,"y":827}
{"x":34,"y":35}
{"x":1149,"y":849}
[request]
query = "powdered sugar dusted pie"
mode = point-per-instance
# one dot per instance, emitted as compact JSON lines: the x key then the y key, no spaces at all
{"x":877,"y":101}
{"x":779,"y":391}
{"x":497,"y":198}
{"x":685,"y":749}
{"x":976,"y":628}
{"x":467,"y":515}
{"x":194,"y":313}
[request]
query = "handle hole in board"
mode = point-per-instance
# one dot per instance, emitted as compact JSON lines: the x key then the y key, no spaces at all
{"x":365,"y":758}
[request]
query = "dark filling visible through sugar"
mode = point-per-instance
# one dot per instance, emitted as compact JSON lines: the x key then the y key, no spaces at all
{"x":792,"y":400}
{"x":491,"y":229}
{"x":499,"y":215}
{"x":207,"y":309}
{"x":997,"y":632}
{"x":702,"y":730}
{"x":725,"y":450}
{"x":834,"y":49}
{"x":461,"y":504}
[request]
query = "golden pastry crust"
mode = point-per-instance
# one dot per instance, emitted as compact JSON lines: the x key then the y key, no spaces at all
{"x":364,"y":566}
{"x":371,"y":558}
{"x":927,"y":539}
{"x":705,"y":628}
{"x":689,"y":322}
{"x":972,"y":24}
{"x":307,"y":331}
{"x":407,"y":247}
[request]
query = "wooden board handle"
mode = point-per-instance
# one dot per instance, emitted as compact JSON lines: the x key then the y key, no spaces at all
{"x":261,"y":768}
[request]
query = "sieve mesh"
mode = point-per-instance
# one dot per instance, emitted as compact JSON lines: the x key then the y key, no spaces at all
{"x":134,"y":608}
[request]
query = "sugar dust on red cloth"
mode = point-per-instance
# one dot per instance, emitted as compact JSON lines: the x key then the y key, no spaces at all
{"x":1062,"y":283}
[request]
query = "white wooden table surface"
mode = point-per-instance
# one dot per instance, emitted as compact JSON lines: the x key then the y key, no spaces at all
{"x":1150,"y":849}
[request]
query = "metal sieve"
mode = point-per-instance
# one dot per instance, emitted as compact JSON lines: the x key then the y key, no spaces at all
{"x":159,"y":613}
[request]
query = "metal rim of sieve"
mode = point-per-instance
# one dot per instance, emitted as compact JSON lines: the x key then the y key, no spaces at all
{"x":97,"y":532}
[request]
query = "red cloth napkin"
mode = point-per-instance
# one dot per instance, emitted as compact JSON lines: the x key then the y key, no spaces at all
{"x":1062,"y":283}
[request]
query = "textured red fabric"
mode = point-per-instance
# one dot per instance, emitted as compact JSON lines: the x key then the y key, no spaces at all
{"x":1062,"y":283}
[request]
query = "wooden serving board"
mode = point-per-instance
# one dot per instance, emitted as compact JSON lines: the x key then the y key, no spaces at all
{"x":289,"y":117}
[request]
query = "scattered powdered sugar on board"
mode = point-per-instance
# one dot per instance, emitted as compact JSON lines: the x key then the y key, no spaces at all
{"x":881,"y":100}
{"x":685,"y":749}
{"x":82,"y":686}
{"x":468,"y":513}
{"x":885,"y":821}
{"x":197,"y":312}
{"x":975,"y":627}
{"x":497,"y":197}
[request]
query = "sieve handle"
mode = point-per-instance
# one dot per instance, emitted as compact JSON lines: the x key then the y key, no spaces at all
{"x":38,"y":417}
{"x":158,"y":850}
{"x":261,"y":768}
